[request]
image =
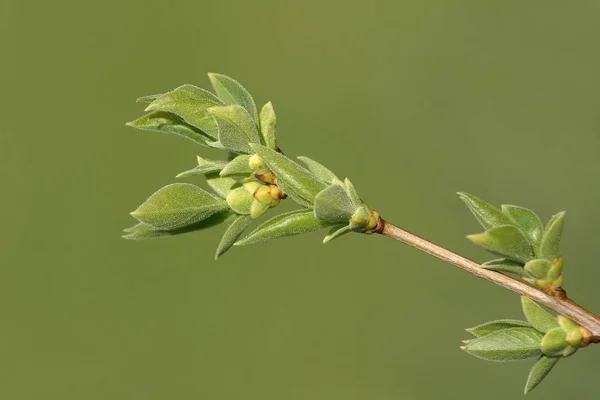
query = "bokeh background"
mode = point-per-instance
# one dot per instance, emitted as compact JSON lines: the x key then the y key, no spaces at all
{"x":413,"y":100}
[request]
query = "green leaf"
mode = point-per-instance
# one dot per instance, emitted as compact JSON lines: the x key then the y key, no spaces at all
{"x":267,"y":126}
{"x":505,"y":240}
{"x":539,"y":318}
{"x":538,"y":268}
{"x":236,"y":128}
{"x":336,"y":232}
{"x":178,"y":205}
{"x":506,"y":345}
{"x":293,"y":179}
{"x":333,"y":204}
{"x":549,"y":248}
{"x":505,"y":266}
{"x":352,"y":193}
{"x":288,"y":224}
{"x":190,"y":103}
{"x":232,"y":93}
{"x":539,"y":371}
{"x":148,"y":99}
{"x":164,"y":122}
{"x":555,"y":343}
{"x":232,"y":233}
{"x":221,"y":186}
{"x":204,"y":167}
{"x":487,"y":215}
{"x":498,"y":325}
{"x":319,"y":170}
{"x":238,"y":166}
{"x":144,"y":231}
{"x":528,"y":221}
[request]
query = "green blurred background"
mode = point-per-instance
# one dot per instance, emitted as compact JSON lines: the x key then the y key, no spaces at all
{"x":413,"y":100}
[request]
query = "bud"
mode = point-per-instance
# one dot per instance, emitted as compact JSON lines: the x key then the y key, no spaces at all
{"x":255,"y":162}
{"x":240,"y":200}
{"x":257,"y":209}
{"x":266,"y":177}
{"x":538,"y":268}
{"x":263,"y":194}
{"x":554,"y":343}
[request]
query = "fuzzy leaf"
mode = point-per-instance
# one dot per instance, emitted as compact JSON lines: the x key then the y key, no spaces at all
{"x":164,"y":122}
{"x":232,"y":233}
{"x":527,"y":221}
{"x":144,"y":231}
{"x":555,"y":343}
{"x":539,"y":371}
{"x":505,"y":266}
{"x":221,"y":186}
{"x":319,"y":170}
{"x":538,"y":268}
{"x":236,"y":128}
{"x":178,"y":205}
{"x":204,"y":167}
{"x":148,"y":99}
{"x":232,"y":93}
{"x":267,"y":126}
{"x":238,"y":166}
{"x":333,"y":204}
{"x":493,"y":326}
{"x":487,"y":215}
{"x":505,"y":240}
{"x":190,"y":103}
{"x":506,"y":345}
{"x":336,"y":232}
{"x":296,"y":181}
{"x":539,"y":318}
{"x":352,"y":193}
{"x":288,"y":224}
{"x":549,"y":247}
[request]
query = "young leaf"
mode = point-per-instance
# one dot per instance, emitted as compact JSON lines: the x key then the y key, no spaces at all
{"x":549,"y":248}
{"x":232,"y":93}
{"x":164,"y":122}
{"x":178,"y":205}
{"x":148,"y":99}
{"x":505,"y":240}
{"x":233,"y":232}
{"x":505,"y":266}
{"x":236,"y":128}
{"x":238,"y":166}
{"x":336,"y":232}
{"x":333,"y":204}
{"x":204,"y":167}
{"x":528,"y":221}
{"x":144,"y":231}
{"x":267,"y":126}
{"x":538,"y":268}
{"x":221,"y":186}
{"x":319,"y":170}
{"x":288,"y":224}
{"x":506,"y":345}
{"x":555,"y":343}
{"x":493,"y":326}
{"x":352,"y":193}
{"x":487,"y":215}
{"x":296,"y":181}
{"x":539,"y":318}
{"x":190,"y":103}
{"x":539,"y":371}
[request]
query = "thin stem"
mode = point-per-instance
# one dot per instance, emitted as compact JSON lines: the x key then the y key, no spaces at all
{"x":565,"y":306}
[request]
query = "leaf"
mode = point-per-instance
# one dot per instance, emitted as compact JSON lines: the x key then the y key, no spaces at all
{"x":555,"y":343}
{"x":319,"y":170}
{"x":506,"y":345}
{"x":505,"y":266}
{"x":238,"y":166}
{"x":498,"y":325}
{"x":236,"y":128}
{"x":549,"y":247}
{"x":336,"y":232}
{"x":190,"y":103}
{"x":352,"y":193}
{"x":148,"y":99}
{"x":288,"y":224}
{"x":221,"y":186}
{"x":204,"y":167}
{"x":232,"y":233}
{"x":539,"y":318}
{"x":178,"y":205}
{"x":296,"y":181}
{"x":487,"y":215}
{"x":505,"y":240}
{"x":528,"y":221}
{"x":232,"y":93}
{"x":538,"y":268}
{"x":333,"y":204}
{"x":144,"y":231}
{"x":539,"y":371}
{"x":268,"y":122}
{"x":164,"y":122}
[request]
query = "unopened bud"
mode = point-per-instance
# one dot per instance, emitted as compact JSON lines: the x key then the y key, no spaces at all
{"x":266,"y":177}
{"x":263,"y":194}
{"x":240,"y":200}
{"x":257,"y":209}
{"x":255,"y":162}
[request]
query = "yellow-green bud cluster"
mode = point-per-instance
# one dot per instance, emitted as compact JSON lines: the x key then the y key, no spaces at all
{"x":364,"y":219}
{"x":545,"y":274}
{"x":254,"y":198}
{"x":565,"y":339}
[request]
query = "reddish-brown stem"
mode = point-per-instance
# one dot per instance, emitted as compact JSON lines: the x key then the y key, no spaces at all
{"x":563,"y":306}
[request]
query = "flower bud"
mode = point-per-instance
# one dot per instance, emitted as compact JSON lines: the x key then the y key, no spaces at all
{"x":255,"y":162}
{"x":240,"y":200}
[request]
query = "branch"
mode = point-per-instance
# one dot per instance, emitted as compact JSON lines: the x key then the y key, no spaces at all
{"x":563,"y":306}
